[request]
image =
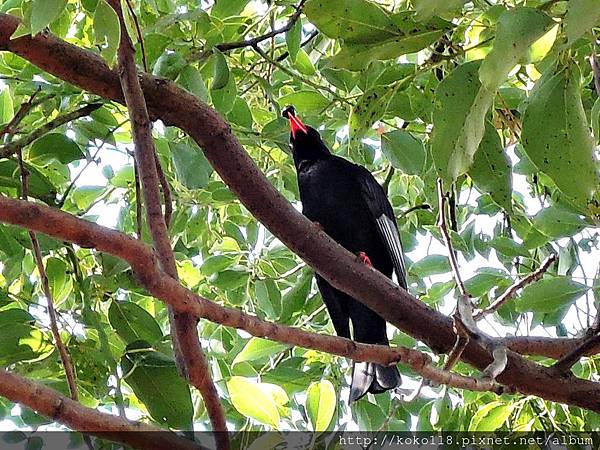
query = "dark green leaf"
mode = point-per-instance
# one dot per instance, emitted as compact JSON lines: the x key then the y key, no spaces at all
{"x":155,"y":381}
{"x":404,"y":151}
{"x":55,"y":146}
{"x":549,"y":295}
{"x":133,"y":323}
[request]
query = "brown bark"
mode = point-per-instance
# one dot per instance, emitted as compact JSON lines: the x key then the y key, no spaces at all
{"x":86,"y":234}
{"x":56,"y":406}
{"x":189,"y":355}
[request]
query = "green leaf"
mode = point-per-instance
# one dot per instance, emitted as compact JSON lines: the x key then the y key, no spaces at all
{"x":170,"y":65}
{"x":304,"y":64}
{"x":491,"y":169}
{"x":556,"y":136}
{"x":459,"y":114}
{"x":257,"y":349}
{"x":557,"y":221}
{"x":191,"y":166}
{"x":407,"y":36}
{"x":293,"y":38}
{"x":84,"y":196}
{"x":43,"y":12}
{"x":228,"y":8}
{"x":224,"y":98}
{"x":39,"y":185}
{"x":60,"y":282}
{"x":155,"y":381}
{"x":425,"y":9}
{"x":216,"y":263}
{"x":133,"y":323}
{"x":404,"y":151}
{"x":516,"y":31}
{"x":484,"y":281}
{"x":124,"y":177}
{"x":430,"y":265}
{"x":55,"y":146}
{"x":221,"y":70}
{"x":252,"y":400}
{"x":305,"y":101}
{"x":192,"y":80}
{"x":354,"y":21}
{"x":107,"y":30}
{"x":6,"y":106}
{"x":549,"y":295}
{"x":491,"y":416}
{"x":241,"y":114}
{"x":370,"y":107}
{"x":508,"y":247}
{"x":294,"y":299}
{"x":320,"y":404}
{"x":581,"y":16}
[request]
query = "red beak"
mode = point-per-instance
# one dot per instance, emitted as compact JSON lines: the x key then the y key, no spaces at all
{"x":296,"y":125}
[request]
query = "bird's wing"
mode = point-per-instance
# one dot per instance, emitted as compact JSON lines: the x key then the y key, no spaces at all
{"x":381,"y":210}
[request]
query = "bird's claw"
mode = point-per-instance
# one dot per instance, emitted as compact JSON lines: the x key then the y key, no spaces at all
{"x":362,"y":256}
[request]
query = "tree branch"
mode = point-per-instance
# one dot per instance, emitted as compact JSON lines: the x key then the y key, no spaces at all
{"x":227,"y":46}
{"x":563,"y":365}
{"x":175,"y":106}
{"x":512,"y":291}
{"x":142,"y":260}
{"x":10,"y":148}
{"x":56,"y":406}
{"x":190,"y":358}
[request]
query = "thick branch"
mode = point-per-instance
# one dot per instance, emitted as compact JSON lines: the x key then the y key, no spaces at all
{"x":10,"y":148}
{"x":186,"y":343}
{"x":175,"y":106}
{"x":564,"y":364}
{"x":512,"y":291}
{"x":141,"y":258}
{"x":62,"y":409}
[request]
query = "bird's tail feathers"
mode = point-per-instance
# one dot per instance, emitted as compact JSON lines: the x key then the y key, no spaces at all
{"x":374,"y":378}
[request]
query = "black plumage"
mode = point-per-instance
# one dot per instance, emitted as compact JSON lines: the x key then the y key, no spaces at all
{"x":351,"y":207}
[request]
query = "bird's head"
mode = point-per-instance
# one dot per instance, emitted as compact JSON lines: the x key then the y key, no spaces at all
{"x":306,"y":142}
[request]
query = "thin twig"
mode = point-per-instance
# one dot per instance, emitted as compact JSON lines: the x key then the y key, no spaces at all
{"x":22,"y":112}
{"x":139,"y":33}
{"x":227,"y":46}
{"x":37,"y":253}
{"x":299,"y":77}
{"x":446,"y":236}
{"x":512,"y":290}
{"x":388,"y":179}
{"x":10,"y":148}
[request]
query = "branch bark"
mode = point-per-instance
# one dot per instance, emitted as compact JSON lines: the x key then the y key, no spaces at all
{"x":191,"y":360}
{"x":174,"y":106}
{"x":74,"y":415}
{"x":160,"y":284}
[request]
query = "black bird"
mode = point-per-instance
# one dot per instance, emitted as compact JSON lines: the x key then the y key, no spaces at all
{"x":351,"y":207}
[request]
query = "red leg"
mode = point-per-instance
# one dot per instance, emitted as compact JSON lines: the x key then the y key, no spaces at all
{"x":365,"y":259}
{"x":318,"y":225}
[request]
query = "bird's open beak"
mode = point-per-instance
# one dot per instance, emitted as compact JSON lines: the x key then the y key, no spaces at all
{"x":296,"y":124}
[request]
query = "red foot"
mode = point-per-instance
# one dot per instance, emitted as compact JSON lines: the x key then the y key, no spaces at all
{"x":365,"y":259}
{"x":318,"y":225}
